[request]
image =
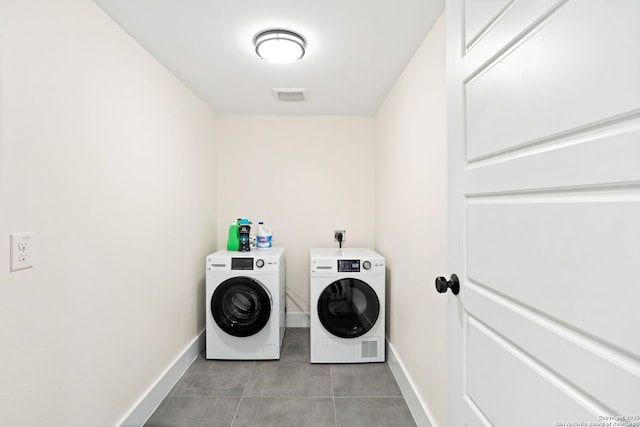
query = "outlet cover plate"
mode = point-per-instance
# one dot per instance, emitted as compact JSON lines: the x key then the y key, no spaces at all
{"x":344,"y":235}
{"x":21,"y":251}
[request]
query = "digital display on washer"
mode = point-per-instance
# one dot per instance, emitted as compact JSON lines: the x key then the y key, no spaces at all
{"x":348,"y":266}
{"x":242,"y":263}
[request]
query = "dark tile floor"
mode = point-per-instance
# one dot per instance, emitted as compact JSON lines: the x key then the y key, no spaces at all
{"x":287,"y":392}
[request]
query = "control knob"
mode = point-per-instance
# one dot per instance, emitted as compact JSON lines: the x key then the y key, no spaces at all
{"x":259,"y":263}
{"x":366,"y":265}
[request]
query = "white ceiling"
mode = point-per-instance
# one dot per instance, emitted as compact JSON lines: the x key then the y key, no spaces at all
{"x":356,"y":49}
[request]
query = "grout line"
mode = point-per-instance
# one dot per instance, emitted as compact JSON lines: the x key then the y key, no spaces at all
{"x":253,"y":368}
{"x":235,"y":414}
{"x":333,"y":396}
{"x":244,"y":390}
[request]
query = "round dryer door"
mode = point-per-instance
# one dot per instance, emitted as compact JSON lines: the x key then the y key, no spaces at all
{"x":348,"y":308}
{"x":241,"y":306}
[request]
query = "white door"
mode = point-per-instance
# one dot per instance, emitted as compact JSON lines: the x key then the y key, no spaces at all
{"x":544,"y":134}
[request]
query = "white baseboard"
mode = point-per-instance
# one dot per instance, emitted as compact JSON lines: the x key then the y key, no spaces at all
{"x":416,"y":405}
{"x":296,"y":319}
{"x":150,"y":401}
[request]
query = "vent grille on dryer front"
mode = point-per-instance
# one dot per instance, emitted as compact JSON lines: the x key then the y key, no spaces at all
{"x":369,"y":349}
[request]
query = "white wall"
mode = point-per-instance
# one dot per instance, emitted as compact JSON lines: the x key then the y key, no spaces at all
{"x":97,"y":146}
{"x":411,"y":199}
{"x":110,"y":162}
{"x":302,"y":176}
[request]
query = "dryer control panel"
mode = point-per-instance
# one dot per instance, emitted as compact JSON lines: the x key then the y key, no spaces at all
{"x":326,"y":267}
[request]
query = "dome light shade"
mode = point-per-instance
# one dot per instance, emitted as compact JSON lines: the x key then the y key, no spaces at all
{"x":279,"y":46}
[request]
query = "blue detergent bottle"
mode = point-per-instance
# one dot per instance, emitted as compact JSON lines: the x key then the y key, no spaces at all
{"x":244,"y":228}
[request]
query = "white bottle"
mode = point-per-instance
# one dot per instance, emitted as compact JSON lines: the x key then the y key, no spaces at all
{"x":264,"y":237}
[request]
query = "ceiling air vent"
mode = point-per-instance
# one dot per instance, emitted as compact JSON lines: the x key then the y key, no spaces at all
{"x":290,"y":94}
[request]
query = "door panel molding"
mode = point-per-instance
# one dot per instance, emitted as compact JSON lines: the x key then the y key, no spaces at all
{"x":508,"y":102}
{"x":627,"y":122}
{"x":562,"y":172}
{"x":505,"y":27}
{"x":563,"y":344}
{"x":478,"y":21}
{"x":554,"y":272}
{"x":498,"y":397}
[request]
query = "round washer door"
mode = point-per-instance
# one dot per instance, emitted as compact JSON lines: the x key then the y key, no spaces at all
{"x":241,"y":306}
{"x":348,"y":308}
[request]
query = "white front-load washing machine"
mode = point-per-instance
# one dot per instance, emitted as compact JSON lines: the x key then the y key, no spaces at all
{"x":347,"y":306}
{"x":245,"y":304}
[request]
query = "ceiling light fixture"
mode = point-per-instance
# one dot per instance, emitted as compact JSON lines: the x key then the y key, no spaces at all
{"x":280,"y":46}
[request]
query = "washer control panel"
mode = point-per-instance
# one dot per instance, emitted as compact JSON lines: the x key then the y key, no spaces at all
{"x":348,"y":266}
{"x":263,"y":262}
{"x":242,"y":263}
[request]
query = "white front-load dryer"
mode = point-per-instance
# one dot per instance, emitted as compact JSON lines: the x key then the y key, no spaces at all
{"x":347,"y":306}
{"x":245,"y":304}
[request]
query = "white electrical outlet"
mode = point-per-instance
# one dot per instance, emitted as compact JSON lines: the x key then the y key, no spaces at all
{"x":21,"y":251}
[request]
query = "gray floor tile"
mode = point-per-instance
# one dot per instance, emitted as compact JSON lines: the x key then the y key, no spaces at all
{"x":181,"y":411}
{"x":372,"y":412}
{"x":295,"y":347}
{"x":364,"y":380}
{"x":288,"y":392}
{"x":278,"y":379}
{"x":214,"y":378}
{"x":285,"y":412}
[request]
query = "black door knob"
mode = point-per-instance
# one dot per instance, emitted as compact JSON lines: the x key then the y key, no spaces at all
{"x":442,"y":284}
